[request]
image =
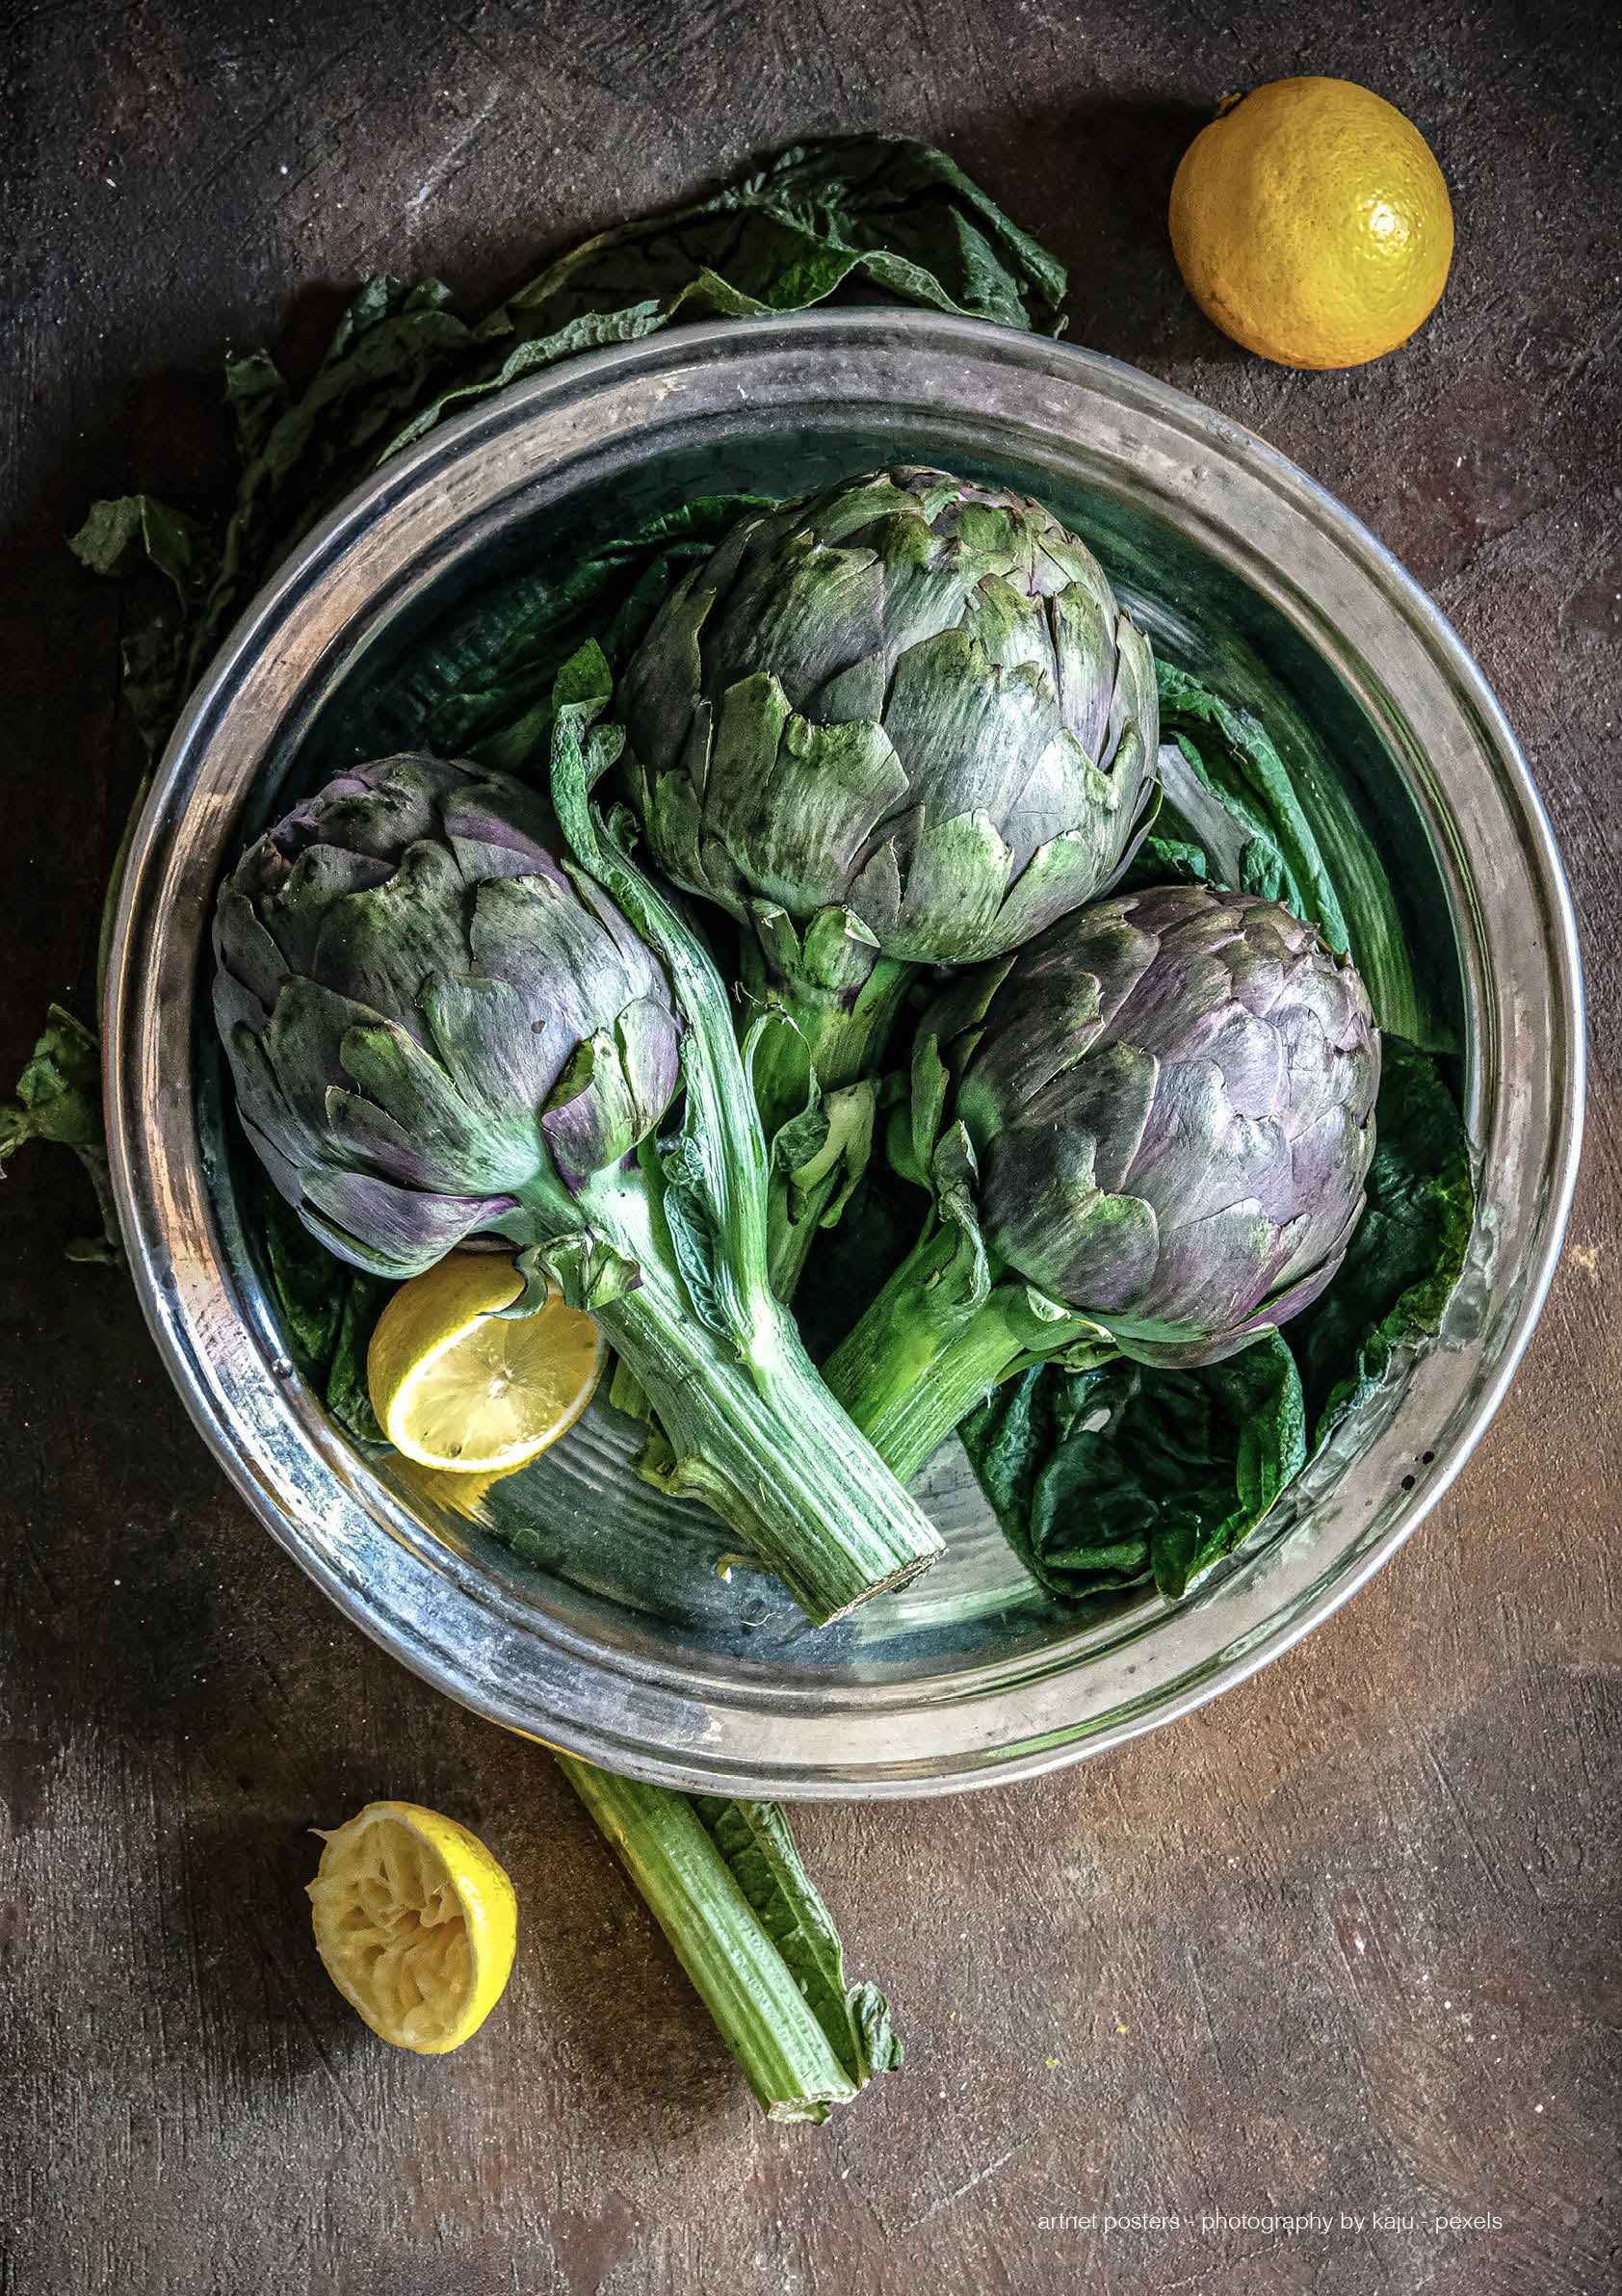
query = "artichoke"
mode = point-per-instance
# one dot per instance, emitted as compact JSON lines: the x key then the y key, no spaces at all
{"x":438,"y":1027}
{"x":428,"y":1021}
{"x":1161,"y":1121}
{"x":900,"y":722}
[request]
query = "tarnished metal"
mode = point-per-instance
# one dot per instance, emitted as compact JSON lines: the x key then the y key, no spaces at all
{"x":582,"y":1607}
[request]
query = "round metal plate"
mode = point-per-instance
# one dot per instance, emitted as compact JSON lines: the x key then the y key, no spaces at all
{"x":580,"y":1608}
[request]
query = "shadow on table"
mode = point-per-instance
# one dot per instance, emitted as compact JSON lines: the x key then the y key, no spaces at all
{"x":1093,"y":179}
{"x":179,"y":1706}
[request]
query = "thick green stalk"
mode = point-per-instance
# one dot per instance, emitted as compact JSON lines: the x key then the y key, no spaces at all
{"x":736,"y":1968}
{"x":919,"y":1360}
{"x":754,"y":1431}
{"x":770,"y":1451}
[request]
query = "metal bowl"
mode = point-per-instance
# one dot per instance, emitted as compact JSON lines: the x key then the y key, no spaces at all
{"x":580,"y":1607}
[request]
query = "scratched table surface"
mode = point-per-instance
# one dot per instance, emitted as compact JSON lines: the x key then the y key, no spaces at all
{"x":1340,"y":1948}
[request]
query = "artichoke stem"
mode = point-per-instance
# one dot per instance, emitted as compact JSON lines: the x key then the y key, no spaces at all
{"x":918,"y":1360}
{"x":793,"y":1218}
{"x":720,"y":1941}
{"x":840,"y":1035}
{"x":768,"y":1448}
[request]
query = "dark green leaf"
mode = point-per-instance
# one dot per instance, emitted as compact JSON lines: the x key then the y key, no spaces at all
{"x":349,"y":1399}
{"x":1118,"y":1476}
{"x":1236,"y":760}
{"x":755,"y":1839}
{"x":327,"y":1312}
{"x":1166,"y":861}
{"x":308,"y":1283}
{"x":58,"y":1098}
{"x":1408,"y":1251}
{"x":483,"y":686}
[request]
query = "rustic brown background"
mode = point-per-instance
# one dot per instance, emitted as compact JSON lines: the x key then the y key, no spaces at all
{"x":1345,"y":1940}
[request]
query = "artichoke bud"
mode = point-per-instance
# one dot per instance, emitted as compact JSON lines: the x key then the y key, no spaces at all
{"x":1172,"y":1097}
{"x":910,"y":700}
{"x":433,"y":1028}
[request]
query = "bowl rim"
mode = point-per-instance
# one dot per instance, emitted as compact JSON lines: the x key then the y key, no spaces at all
{"x":365,"y":1557}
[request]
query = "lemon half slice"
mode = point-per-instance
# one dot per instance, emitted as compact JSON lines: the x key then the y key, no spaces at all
{"x":456,"y":1387}
{"x":416,"y":1923}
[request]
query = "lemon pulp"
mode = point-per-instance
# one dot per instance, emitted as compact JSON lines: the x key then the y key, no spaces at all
{"x":457,"y":1387}
{"x":416,"y":1924}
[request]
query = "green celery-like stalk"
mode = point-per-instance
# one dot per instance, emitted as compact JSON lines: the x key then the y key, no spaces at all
{"x":724,"y":1882}
{"x":755,"y":1433}
{"x":921,"y":1356}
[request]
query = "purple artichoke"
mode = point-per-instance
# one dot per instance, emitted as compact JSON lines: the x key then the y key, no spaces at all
{"x":1158,"y":1118}
{"x":436,"y":1026}
{"x":1171,"y":1099}
{"x":428,"y":1022}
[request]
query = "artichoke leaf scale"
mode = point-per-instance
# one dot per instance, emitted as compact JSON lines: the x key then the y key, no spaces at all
{"x":372,"y":1140}
{"x":389,"y":1229}
{"x":301,"y":1049}
{"x":488,"y":1044}
{"x":953,"y":891}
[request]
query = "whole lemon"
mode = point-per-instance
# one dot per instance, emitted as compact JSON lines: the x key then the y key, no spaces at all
{"x":1312,"y":224}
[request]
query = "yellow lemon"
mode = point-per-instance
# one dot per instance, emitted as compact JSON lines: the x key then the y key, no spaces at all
{"x":1312,"y":224}
{"x":457,"y":1387}
{"x":416,"y":1923}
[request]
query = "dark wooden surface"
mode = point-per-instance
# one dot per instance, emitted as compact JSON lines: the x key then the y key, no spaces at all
{"x":1343,"y":1942}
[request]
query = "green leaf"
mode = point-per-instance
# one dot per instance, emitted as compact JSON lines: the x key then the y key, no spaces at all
{"x":582,"y":1270}
{"x":58,"y":1098}
{"x":328,"y":1310}
{"x":760,"y":1851}
{"x":1166,"y":861}
{"x":1274,"y":818}
{"x":1120,"y":1476}
{"x":349,"y":1399}
{"x":308,"y":1283}
{"x":117,"y":535}
{"x":691,"y":1220}
{"x":1233,"y":757}
{"x":1408,"y":1250}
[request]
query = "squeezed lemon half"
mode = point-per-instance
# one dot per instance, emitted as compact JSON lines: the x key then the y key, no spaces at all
{"x":460,"y":1388}
{"x":416,"y":1923}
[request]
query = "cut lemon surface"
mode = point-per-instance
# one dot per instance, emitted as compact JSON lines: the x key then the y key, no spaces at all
{"x":457,"y":1387}
{"x":416,"y":1923}
{"x":1312,"y":223}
